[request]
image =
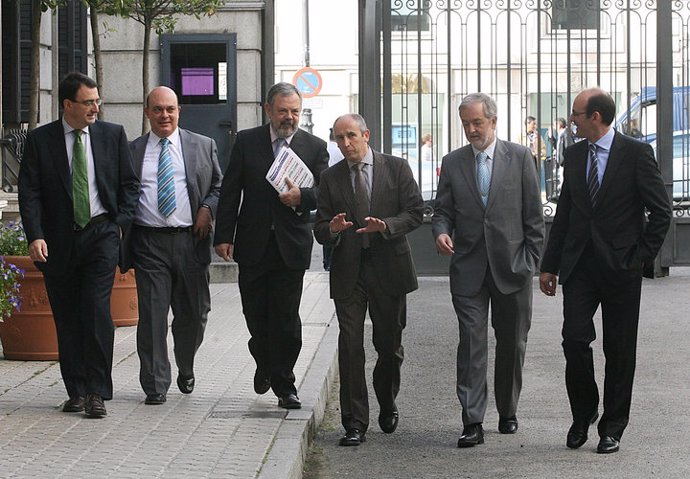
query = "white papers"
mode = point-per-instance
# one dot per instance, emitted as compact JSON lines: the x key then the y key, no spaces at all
{"x":288,"y":164}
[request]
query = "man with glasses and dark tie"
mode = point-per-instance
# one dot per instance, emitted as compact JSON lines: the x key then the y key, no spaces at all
{"x":170,"y":243}
{"x":77,"y":192}
{"x":598,"y":244}
{"x":488,"y":218}
{"x":269,"y":236}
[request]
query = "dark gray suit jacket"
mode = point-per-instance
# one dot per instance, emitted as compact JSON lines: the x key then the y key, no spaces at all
{"x":620,"y":237}
{"x":506,"y":235}
{"x":45,"y":186}
{"x":203,"y":174}
{"x":395,"y":199}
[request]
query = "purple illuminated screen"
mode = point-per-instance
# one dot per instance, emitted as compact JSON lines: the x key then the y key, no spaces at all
{"x":197,"y":81}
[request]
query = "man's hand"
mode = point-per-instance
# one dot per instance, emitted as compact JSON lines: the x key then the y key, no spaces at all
{"x":339,"y":223}
{"x":293,"y":196}
{"x":374,"y":225}
{"x":204,"y":223}
{"x":38,"y":251}
{"x":224,"y":250}
{"x":548,"y":283}
{"x":444,"y":244}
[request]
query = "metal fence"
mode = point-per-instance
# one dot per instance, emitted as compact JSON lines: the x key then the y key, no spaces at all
{"x":533,"y":57}
{"x":12,"y":149}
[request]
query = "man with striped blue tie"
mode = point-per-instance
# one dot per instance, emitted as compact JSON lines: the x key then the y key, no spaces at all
{"x":612,"y":218}
{"x":170,"y":243}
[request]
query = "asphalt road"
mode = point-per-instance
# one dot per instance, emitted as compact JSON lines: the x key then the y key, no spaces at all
{"x":656,"y":443}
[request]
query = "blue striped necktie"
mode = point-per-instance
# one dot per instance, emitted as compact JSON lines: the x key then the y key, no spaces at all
{"x":166,"y":181}
{"x":483,"y":176}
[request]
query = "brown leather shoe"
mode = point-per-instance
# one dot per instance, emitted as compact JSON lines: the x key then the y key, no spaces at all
{"x":75,"y":404}
{"x":94,"y":407}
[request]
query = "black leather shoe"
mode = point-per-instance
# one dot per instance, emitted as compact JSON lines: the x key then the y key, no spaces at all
{"x":472,"y":434}
{"x":185,"y":383}
{"x":388,"y":421}
{"x":577,"y":434}
{"x":607,"y":445}
{"x":94,"y":407}
{"x":262,"y":382}
{"x":155,"y":399}
{"x":353,"y":437}
{"x":508,"y":425}
{"x":289,"y":401}
{"x":75,"y":404}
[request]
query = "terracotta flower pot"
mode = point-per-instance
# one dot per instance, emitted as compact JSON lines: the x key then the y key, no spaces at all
{"x":30,"y":334}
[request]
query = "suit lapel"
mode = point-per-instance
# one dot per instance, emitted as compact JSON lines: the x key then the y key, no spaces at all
{"x":138,"y":149}
{"x":468,"y":167}
{"x":190,"y":147}
{"x":614,"y":162}
{"x":501,"y":164}
{"x":380,"y":177}
{"x":577,"y":172}
{"x":57,"y":139}
{"x":344,"y":184}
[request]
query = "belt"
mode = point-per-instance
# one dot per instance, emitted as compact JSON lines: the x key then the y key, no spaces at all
{"x":168,"y":230}
{"x":95,"y":220}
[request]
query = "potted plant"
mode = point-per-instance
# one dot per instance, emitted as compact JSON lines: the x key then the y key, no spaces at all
{"x":29,"y":333}
{"x":28,"y":330}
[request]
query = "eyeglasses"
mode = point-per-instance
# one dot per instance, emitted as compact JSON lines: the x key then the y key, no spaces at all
{"x":89,"y":103}
{"x":577,"y":113}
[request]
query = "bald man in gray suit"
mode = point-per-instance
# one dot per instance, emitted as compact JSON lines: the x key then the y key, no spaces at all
{"x":488,"y":217}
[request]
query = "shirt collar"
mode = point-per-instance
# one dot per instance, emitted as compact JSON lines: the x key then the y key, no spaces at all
{"x":367,"y":160}
{"x":606,"y":141}
{"x":489,"y":150}
{"x":274,"y":136}
{"x":68,"y":128}
{"x":174,"y":138}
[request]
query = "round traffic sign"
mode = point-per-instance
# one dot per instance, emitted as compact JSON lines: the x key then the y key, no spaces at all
{"x":308,"y":82}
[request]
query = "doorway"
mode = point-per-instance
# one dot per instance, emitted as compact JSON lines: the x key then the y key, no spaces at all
{"x":202,"y":69}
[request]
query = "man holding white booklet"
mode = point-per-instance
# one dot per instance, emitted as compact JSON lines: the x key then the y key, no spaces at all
{"x":268,"y":234}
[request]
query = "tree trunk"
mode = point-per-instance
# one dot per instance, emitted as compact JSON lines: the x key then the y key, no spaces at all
{"x":145,"y":73}
{"x":97,"y":57}
{"x":35,"y":82}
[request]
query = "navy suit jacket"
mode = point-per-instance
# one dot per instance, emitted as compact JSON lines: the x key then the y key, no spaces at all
{"x":621,"y":238}
{"x":45,"y":186}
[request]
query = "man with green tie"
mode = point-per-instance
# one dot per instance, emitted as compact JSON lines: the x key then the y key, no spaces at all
{"x":77,"y":192}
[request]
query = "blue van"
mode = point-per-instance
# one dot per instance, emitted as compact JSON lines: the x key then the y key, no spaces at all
{"x":640,"y":120}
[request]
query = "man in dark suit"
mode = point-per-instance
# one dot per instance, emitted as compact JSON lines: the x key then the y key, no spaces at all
{"x":371,"y":266}
{"x":269,"y":236}
{"x":170,"y":242}
{"x":77,"y":191}
{"x":488,"y":217}
{"x":598,"y":243}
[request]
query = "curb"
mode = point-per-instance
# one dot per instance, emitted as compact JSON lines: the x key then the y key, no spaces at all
{"x":285,"y":460}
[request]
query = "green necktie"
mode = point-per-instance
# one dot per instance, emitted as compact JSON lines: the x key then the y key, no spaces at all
{"x":80,"y":183}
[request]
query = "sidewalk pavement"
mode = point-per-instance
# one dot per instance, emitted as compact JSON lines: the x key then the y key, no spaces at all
{"x":222,"y":430}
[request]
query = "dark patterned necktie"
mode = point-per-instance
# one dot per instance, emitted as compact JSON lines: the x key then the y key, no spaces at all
{"x":593,"y":176}
{"x":361,"y":200}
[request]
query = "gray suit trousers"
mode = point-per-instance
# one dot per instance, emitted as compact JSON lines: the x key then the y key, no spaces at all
{"x":168,"y":276}
{"x":511,"y":316}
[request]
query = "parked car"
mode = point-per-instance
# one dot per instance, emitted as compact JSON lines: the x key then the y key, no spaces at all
{"x":681,"y":164}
